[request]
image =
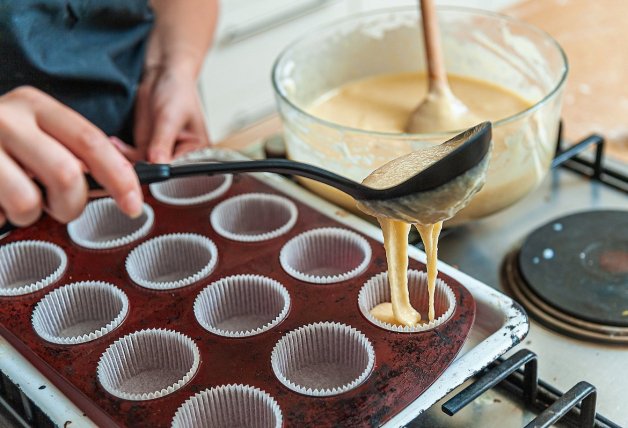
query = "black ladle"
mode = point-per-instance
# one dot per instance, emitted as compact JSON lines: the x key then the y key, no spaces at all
{"x":473,"y":146}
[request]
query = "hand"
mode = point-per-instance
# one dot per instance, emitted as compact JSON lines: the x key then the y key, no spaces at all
{"x":168,"y":117}
{"x":43,"y":139}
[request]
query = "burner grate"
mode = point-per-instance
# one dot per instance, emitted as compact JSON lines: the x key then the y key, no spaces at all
{"x":574,"y":159}
{"x":576,"y":407}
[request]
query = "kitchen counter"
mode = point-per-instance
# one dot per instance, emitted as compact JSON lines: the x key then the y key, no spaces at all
{"x":593,"y":34}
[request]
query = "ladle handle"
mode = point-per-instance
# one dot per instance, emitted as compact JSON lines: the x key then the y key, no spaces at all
{"x":436,"y":72}
{"x":154,"y":173}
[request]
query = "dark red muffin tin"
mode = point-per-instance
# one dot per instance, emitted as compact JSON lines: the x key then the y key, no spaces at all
{"x":405,"y":364}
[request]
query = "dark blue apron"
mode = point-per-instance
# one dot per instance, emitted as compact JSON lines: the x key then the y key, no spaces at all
{"x":88,"y":54}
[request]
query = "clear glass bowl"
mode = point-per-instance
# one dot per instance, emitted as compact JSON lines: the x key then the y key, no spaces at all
{"x":477,"y":44}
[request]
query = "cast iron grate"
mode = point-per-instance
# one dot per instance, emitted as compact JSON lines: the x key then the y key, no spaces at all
{"x":518,"y":375}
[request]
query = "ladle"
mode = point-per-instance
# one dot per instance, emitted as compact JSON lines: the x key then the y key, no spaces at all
{"x":472,"y":147}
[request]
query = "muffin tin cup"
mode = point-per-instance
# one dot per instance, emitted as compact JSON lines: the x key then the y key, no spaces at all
{"x":229,"y":406}
{"x":188,"y":191}
{"x":102,"y":225}
{"x":254,"y":217}
{"x":80,"y":312}
{"x":28,"y":266}
{"x":241,"y":305}
{"x":323,"y":359}
{"x":325,"y":255}
{"x":377,"y":290}
{"x":148,"y":364}
{"x":172,"y":261}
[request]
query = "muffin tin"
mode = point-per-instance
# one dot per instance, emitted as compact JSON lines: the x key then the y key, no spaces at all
{"x":185,"y":340}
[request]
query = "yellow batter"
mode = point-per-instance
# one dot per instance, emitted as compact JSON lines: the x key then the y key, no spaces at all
{"x":384,"y":102}
{"x":426,"y":210}
{"x":400,"y":310}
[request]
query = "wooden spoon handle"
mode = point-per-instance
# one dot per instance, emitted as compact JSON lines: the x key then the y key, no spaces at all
{"x":434,"y":55}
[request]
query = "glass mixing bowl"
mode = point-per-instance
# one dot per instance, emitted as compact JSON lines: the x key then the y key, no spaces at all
{"x":477,"y":44}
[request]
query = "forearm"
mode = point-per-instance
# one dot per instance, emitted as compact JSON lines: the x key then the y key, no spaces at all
{"x":182,"y":35}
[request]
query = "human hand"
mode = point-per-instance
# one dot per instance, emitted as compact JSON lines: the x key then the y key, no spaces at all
{"x":168,"y":117}
{"x":42,"y":139}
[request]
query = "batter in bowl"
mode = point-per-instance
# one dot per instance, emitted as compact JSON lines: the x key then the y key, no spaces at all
{"x":384,"y":102}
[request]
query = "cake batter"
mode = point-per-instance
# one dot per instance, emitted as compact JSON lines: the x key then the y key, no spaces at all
{"x":427,"y":211}
{"x":383,"y":103}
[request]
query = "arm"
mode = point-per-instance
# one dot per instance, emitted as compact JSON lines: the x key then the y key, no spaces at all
{"x":182,"y":35}
{"x":168,"y":115}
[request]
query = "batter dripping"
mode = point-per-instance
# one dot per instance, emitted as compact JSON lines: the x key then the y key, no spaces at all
{"x":427,"y":211}
{"x":383,"y":104}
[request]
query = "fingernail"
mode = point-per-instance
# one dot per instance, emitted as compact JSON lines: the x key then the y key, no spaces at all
{"x":132,"y":204}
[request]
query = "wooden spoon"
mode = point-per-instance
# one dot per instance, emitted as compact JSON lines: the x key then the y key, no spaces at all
{"x":440,"y":110}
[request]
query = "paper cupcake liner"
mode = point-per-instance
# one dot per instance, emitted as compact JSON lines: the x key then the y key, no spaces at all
{"x":80,"y":312}
{"x":325,"y":255}
{"x":323,"y":359}
{"x":102,"y":225}
{"x":172,"y":261}
{"x":148,"y":364}
{"x":229,"y":406}
{"x":191,"y":190}
{"x":377,"y":290}
{"x":254,"y":217}
{"x":241,"y":305}
{"x":28,"y":266}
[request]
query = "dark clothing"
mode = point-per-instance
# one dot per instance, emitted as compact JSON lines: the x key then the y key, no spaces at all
{"x":88,"y":54}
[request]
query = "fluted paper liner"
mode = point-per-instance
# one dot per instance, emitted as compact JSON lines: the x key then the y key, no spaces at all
{"x":28,"y":266}
{"x":254,"y":217}
{"x":196,"y":190}
{"x":229,"y":406}
{"x":241,"y":305}
{"x":102,"y":225}
{"x":148,"y":364}
{"x":377,"y":290}
{"x":323,"y":359}
{"x":80,"y":312}
{"x":172,"y":261}
{"x":325,"y":255}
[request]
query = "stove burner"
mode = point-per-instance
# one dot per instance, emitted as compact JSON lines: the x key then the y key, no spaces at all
{"x":572,"y":275}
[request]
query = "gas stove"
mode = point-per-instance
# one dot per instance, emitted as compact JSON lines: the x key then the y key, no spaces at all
{"x":521,"y":252}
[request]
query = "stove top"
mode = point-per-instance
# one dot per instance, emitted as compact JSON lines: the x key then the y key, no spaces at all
{"x":479,"y":249}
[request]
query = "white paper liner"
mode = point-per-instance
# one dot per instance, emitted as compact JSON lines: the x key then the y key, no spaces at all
{"x":323,"y":359}
{"x":28,"y":266}
{"x":377,"y":290}
{"x":172,"y":261}
{"x":148,"y":364}
{"x":102,"y":225}
{"x":325,"y":255}
{"x":229,"y":406}
{"x":241,"y":305}
{"x":80,"y":312}
{"x":254,"y":217}
{"x":186,"y":191}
